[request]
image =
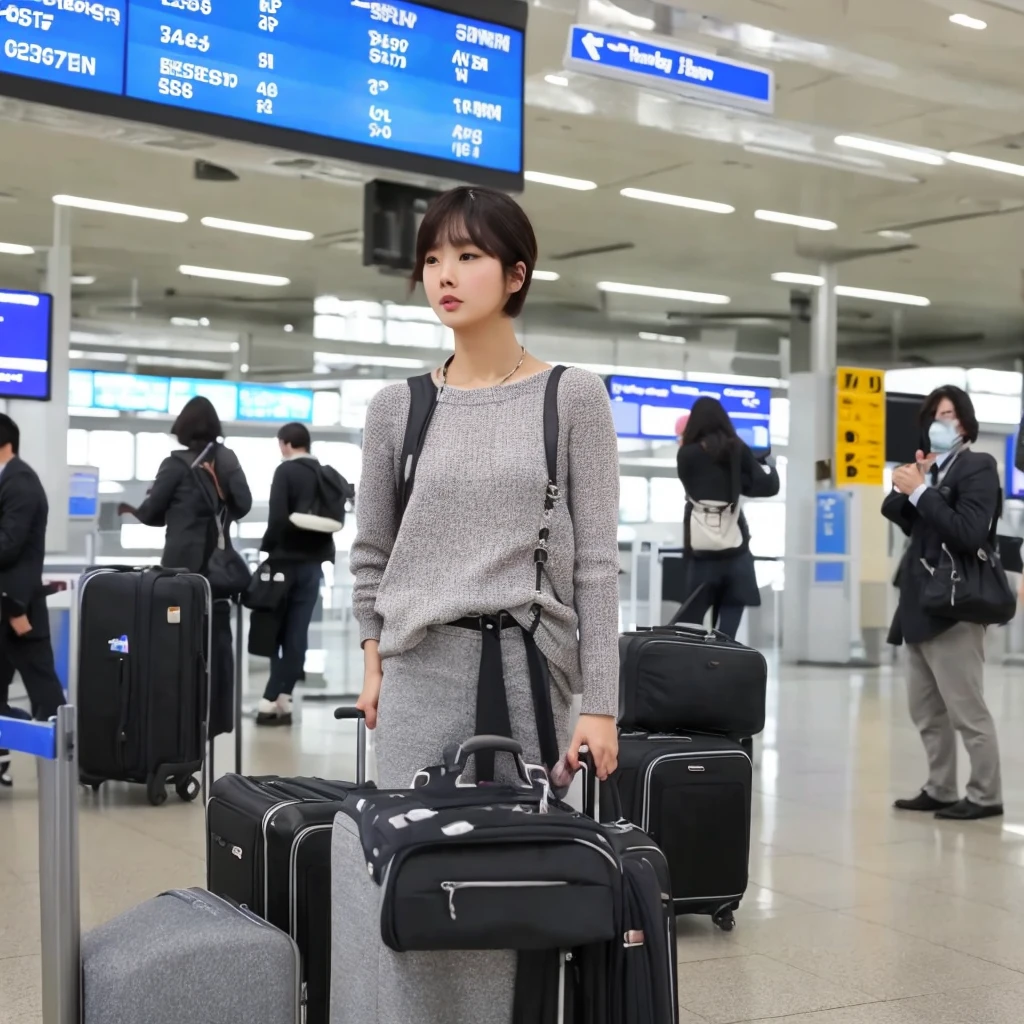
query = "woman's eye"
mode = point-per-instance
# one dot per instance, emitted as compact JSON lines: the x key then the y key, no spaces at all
{"x":468,"y":256}
{"x":430,"y":260}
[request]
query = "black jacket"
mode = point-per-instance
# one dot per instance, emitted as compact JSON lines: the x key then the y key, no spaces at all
{"x":24,"y":511}
{"x":294,"y":490}
{"x":958,"y":513}
{"x":183,"y":500}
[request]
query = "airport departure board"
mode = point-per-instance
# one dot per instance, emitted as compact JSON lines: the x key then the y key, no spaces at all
{"x":423,"y":81}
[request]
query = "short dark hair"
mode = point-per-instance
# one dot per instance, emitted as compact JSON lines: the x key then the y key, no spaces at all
{"x":9,"y":433}
{"x":197,"y":424}
{"x":961,"y":403}
{"x":709,"y":425}
{"x":295,"y":434}
{"x":488,"y":219}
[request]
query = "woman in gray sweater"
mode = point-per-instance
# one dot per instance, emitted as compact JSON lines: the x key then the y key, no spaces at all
{"x":445,"y":592}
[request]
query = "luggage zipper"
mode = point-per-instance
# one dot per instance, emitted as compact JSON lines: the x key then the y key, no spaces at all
{"x":453,"y":887}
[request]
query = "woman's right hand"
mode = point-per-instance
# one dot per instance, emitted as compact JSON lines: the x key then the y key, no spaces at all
{"x":373,"y":676}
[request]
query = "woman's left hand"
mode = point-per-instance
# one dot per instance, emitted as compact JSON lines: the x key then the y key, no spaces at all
{"x":601,"y":735}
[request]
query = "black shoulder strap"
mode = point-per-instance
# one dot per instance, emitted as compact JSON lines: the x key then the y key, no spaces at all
{"x":422,"y":403}
{"x":736,"y":469}
{"x":551,"y":423}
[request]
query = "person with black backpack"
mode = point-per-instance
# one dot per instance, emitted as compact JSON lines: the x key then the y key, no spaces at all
{"x":307,"y":506}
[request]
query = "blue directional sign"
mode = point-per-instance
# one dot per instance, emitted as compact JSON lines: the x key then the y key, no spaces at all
{"x":715,"y":80}
{"x":830,"y":535}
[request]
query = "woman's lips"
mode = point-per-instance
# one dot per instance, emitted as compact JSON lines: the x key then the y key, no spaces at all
{"x":449,"y":303}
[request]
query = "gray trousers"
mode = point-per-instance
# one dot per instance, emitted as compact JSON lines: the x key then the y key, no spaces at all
{"x":945,"y":684}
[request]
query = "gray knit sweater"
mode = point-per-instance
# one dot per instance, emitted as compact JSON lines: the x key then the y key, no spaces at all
{"x":466,"y":543}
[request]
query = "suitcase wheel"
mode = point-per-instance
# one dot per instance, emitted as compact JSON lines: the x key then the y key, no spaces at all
{"x":187,"y":788}
{"x":157,"y":792}
{"x":725,"y":920}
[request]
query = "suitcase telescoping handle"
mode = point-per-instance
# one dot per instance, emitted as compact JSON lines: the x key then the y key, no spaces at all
{"x":609,"y":786}
{"x":687,"y":629}
{"x":347,"y":714}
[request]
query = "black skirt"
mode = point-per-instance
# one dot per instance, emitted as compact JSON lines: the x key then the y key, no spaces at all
{"x":731,"y":581}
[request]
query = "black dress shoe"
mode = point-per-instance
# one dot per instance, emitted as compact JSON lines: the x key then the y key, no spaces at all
{"x":965,"y":810}
{"x":923,"y":802}
{"x":272,"y":719}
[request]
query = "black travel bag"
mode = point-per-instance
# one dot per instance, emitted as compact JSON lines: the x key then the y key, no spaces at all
{"x":269,"y":849}
{"x":691,"y":794}
{"x":143,"y":678}
{"x":688,"y":677}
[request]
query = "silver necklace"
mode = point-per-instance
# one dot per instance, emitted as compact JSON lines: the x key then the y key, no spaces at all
{"x":504,"y":380}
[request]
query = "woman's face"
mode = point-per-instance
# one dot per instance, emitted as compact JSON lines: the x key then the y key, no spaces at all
{"x":947,"y":411}
{"x":465,"y":286}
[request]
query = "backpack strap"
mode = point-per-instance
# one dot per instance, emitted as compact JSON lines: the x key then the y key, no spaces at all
{"x":422,"y":404}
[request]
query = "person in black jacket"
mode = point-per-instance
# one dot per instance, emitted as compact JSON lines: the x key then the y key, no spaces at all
{"x":25,"y":631}
{"x":200,"y":491}
{"x":717,"y":469}
{"x":951,"y":497}
{"x":301,"y":553}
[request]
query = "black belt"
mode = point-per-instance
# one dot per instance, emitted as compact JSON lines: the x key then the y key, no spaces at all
{"x":492,"y":715}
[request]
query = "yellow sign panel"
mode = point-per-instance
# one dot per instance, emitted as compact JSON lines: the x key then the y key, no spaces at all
{"x":860,"y":427}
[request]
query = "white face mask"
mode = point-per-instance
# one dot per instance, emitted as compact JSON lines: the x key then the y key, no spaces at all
{"x":944,"y":435}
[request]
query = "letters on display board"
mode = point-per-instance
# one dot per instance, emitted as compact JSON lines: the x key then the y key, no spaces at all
{"x":426,"y":87}
{"x":860,"y":426}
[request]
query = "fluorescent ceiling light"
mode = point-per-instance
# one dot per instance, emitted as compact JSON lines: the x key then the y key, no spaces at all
{"x":83,"y":279}
{"x":673,"y":339}
{"x":986,"y":163}
{"x":672,"y":200}
{"x":187,"y":321}
{"x":288,"y":234}
{"x":13,"y":249}
{"x":871,"y":293}
{"x":556,"y":80}
{"x":921,"y":156}
{"x":546,"y":275}
{"x":341,"y":359}
{"x":576,"y":184}
{"x":966,"y":21}
{"x":784,"y":277}
{"x":288,"y":328}
{"x":812,"y":223}
{"x":899,"y":235}
{"x":617,"y":288}
{"x":270,"y":280}
{"x":125,"y":209}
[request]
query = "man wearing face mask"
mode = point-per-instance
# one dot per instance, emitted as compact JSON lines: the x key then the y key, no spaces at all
{"x":949,"y":496}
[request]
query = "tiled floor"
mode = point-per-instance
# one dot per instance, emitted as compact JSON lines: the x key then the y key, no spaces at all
{"x":855,"y":914}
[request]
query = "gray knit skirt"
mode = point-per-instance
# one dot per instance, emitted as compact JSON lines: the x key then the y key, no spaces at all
{"x":428,"y":700}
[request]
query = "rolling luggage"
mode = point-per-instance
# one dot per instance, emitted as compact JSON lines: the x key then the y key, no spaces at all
{"x":189,"y":956}
{"x":686,"y":677}
{"x":143,"y":693}
{"x":269,"y":849}
{"x":691,"y":794}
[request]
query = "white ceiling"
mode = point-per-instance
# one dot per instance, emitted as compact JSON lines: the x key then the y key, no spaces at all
{"x":891,"y":69}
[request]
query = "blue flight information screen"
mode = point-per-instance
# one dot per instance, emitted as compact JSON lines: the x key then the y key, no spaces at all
{"x":400,"y":76}
{"x":25,"y":332}
{"x":649,"y":408}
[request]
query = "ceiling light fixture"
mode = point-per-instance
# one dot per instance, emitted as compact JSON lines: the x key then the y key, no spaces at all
{"x":966,"y":21}
{"x":288,"y":234}
{"x":241,"y":276}
{"x":13,"y":249}
{"x":784,"y":277}
{"x":921,"y":156}
{"x":647,"y":291}
{"x":848,"y":292}
{"x":901,"y":236}
{"x":576,"y":184}
{"x":668,"y":199}
{"x":811,"y":223}
{"x":986,"y":163}
{"x":124,"y":209}
{"x":556,"y":80}
{"x":83,"y":279}
{"x":672,"y":339}
{"x":546,"y":275}
{"x":289,"y":328}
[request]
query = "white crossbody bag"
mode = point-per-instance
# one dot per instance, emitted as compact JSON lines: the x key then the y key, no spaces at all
{"x":715,"y":525}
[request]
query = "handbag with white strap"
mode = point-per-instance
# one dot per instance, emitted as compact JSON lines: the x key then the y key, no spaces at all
{"x":715,"y":525}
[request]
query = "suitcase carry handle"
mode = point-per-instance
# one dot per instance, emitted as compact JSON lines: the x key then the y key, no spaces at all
{"x":347,"y":714}
{"x":688,"y":628}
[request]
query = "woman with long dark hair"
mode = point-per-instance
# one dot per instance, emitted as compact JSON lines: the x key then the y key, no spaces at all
{"x":717,"y":470}
{"x":454,"y":616}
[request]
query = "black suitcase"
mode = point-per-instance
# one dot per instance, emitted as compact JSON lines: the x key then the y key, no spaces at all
{"x":143,"y":679}
{"x":269,"y":849}
{"x":686,"y":677}
{"x":691,"y":794}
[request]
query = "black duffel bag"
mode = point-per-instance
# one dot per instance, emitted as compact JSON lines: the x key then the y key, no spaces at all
{"x":969,"y":587}
{"x":487,"y":867}
{"x":686,"y":677}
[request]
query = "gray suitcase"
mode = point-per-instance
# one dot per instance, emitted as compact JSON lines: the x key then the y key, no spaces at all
{"x":189,"y":956}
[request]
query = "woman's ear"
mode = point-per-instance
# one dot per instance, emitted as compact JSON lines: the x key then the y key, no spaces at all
{"x":516,"y":278}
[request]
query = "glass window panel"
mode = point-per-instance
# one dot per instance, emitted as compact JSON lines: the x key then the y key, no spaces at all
{"x":150,"y":451}
{"x":326,"y":408}
{"x":260,"y":457}
{"x":136,"y":537}
{"x":113,"y":453}
{"x":633,"y":499}
{"x":78,"y":447}
{"x":345,"y":457}
{"x":667,"y":500}
{"x":767,"y":522}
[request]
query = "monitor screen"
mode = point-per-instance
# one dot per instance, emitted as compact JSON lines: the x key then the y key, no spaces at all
{"x":83,"y":492}
{"x":649,"y":409}
{"x":25,"y":336}
{"x":1014,"y":478}
{"x":223,"y":394}
{"x":426,"y":87}
{"x":280,"y":405}
{"x":130,"y":392}
{"x":903,"y":437}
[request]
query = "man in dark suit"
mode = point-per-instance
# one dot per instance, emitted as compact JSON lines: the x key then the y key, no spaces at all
{"x":948,"y":497}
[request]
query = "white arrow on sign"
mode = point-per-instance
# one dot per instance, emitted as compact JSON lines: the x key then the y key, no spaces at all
{"x":593,"y":44}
